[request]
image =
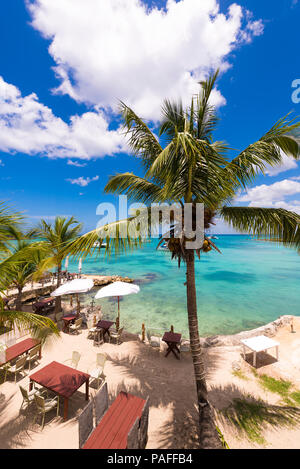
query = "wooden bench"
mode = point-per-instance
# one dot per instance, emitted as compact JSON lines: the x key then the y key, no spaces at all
{"x":115,"y":425}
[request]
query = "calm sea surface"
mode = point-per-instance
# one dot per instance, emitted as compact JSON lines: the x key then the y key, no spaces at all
{"x":251,"y":283}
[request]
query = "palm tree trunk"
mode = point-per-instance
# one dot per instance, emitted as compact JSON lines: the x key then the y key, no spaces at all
{"x":19,"y":298}
{"x":208,"y":435}
{"x":58,"y":298}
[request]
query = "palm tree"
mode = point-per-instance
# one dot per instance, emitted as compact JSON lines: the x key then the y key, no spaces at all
{"x":186,"y":166}
{"x":13,"y":260}
{"x":22,"y":272}
{"x":55,"y":239}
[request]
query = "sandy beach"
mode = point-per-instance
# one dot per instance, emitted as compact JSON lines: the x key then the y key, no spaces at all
{"x":137,"y":368}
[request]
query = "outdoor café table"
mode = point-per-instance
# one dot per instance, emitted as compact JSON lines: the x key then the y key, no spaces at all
{"x":259,"y":344}
{"x":172,"y":339}
{"x":61,"y":379}
{"x":67,"y":321}
{"x":18,"y":349}
{"x":113,"y":428}
{"x":105,"y":325}
{"x":39,"y":306}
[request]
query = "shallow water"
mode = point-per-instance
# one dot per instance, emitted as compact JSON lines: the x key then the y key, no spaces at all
{"x":251,"y":283}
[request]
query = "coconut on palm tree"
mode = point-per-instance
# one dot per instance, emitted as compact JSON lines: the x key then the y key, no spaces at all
{"x":187,"y":166}
{"x":55,"y":238}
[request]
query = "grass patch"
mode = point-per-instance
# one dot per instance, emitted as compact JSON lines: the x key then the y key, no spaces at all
{"x":253,"y":416}
{"x":278,"y":386}
{"x":296,"y":397}
{"x":239,"y":374}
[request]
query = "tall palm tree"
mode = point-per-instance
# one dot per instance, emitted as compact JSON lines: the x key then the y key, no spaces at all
{"x":11,"y":260}
{"x":185,"y":165}
{"x":55,"y":238}
{"x":22,"y":272}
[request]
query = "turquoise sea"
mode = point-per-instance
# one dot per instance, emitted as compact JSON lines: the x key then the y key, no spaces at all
{"x":251,"y":283}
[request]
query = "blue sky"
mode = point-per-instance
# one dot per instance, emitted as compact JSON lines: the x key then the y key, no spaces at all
{"x":65,"y":63}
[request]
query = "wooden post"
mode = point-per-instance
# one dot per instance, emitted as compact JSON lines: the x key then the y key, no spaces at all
{"x":172,"y":328}
{"x":143,"y":332}
{"x":71,"y":300}
{"x":292,"y":325}
{"x":117,"y":323}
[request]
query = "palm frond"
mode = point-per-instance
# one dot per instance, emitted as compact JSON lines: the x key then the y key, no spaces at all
{"x":141,"y":140}
{"x":268,"y":150}
{"x":275,"y":224}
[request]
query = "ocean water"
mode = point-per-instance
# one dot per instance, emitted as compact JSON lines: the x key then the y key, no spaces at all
{"x":250,"y":284}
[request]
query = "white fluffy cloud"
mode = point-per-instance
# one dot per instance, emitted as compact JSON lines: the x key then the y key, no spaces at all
{"x":287,"y":164}
{"x":107,"y":50}
{"x":83,"y":182}
{"x":278,"y":195}
{"x":28,"y":126}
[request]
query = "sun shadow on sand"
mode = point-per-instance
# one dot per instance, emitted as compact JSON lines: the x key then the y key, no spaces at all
{"x":172,"y":392}
{"x":20,"y":428}
{"x":262,"y":359}
{"x":246,"y":416}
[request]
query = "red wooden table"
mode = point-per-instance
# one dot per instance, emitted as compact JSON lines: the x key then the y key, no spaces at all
{"x":61,"y":379}
{"x":105,"y":325}
{"x":67,"y":321}
{"x":172,"y":339}
{"x":113,"y":429}
{"x":18,"y":349}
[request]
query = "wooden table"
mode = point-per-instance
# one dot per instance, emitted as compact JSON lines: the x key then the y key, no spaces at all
{"x":67,"y":321}
{"x":105,"y":325}
{"x":172,"y":339}
{"x":18,"y":349}
{"x":113,"y":428}
{"x":43,"y":304}
{"x":61,"y":379}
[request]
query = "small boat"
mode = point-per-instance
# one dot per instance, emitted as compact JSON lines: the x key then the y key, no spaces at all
{"x":214,"y":237}
{"x":163,"y":247}
{"x":97,"y":245}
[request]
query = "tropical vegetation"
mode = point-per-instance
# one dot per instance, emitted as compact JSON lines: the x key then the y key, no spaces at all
{"x":19,"y":259}
{"x":185,"y":165}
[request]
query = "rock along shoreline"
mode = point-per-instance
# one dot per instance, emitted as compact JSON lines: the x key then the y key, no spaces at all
{"x":269,"y":330}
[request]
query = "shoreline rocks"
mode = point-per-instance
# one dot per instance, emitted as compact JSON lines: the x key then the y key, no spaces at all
{"x":100,"y":280}
{"x":269,"y":330}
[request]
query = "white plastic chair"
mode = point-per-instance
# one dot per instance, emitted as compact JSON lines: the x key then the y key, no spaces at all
{"x":74,"y":360}
{"x":98,"y":372}
{"x":76,"y":326}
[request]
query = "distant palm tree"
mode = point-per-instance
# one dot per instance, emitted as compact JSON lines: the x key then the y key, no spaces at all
{"x":187,"y":166}
{"x":23,"y":271}
{"x":55,"y":238}
{"x":16,"y":255}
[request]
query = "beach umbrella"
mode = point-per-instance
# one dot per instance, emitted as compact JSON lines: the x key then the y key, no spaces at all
{"x":117,"y":289}
{"x":79,"y":266}
{"x":79,"y":285}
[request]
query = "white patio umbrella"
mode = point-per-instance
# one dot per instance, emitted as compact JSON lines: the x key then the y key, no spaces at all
{"x":117,"y":289}
{"x":79,"y":285}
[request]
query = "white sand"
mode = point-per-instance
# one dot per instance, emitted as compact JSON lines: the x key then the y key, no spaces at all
{"x":141,"y":370}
